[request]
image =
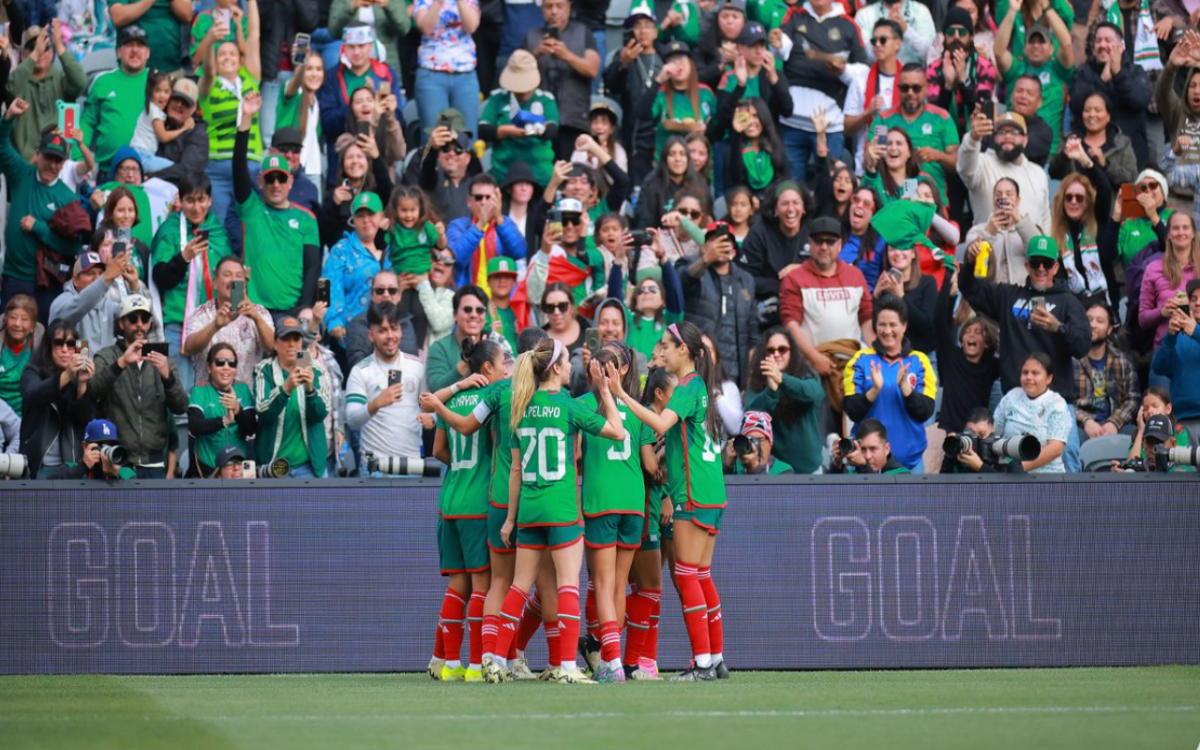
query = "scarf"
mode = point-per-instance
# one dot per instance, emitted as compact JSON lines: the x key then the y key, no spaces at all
{"x":759,"y":170}
{"x":197,"y":273}
{"x":873,"y":87}
{"x":1085,"y":273}
{"x":1145,"y":41}
{"x":485,"y":252}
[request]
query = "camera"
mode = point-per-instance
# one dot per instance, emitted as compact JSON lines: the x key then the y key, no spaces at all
{"x":116,"y":455}
{"x":277,"y":469}
{"x":13,"y":465}
{"x":744,"y":446}
{"x":955,"y":445}
{"x":640,"y":237}
{"x":846,"y":446}
{"x":1133,"y":464}
{"x":1188,"y":455}
{"x":400,"y":465}
{"x":1019,"y":448}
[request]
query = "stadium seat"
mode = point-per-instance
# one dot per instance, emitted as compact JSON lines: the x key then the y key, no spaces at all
{"x":1097,"y":454}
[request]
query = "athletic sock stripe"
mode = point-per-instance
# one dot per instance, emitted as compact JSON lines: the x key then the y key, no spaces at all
{"x":572,"y":618}
{"x":568,"y":590}
{"x":687,"y":610}
{"x":637,"y":626}
{"x":509,"y":617}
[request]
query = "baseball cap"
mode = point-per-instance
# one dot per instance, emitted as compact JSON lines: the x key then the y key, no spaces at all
{"x":752,"y":33}
{"x":287,"y":137}
{"x":501,"y":264}
{"x":760,"y":422}
{"x":100,"y":431}
{"x":738,"y":5}
{"x":358,"y":33}
{"x":1159,"y":427}
{"x":1042,"y":246}
{"x":289,"y":326}
{"x":369,"y":201}
{"x":53,"y":144}
{"x":187,"y":90}
{"x":1041,"y":30}
{"x":131,"y":33}
{"x":825,"y":225}
{"x":135,"y":303}
{"x":228,"y":454}
{"x":570,"y":206}
{"x":276,"y":163}
{"x":676,"y":48}
{"x":86,"y":261}
{"x":717,"y":227}
{"x":1012,"y":119}
{"x":645,"y":10}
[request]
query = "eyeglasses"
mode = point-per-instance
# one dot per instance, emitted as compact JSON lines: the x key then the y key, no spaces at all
{"x":912,"y":88}
{"x":551,"y":308}
{"x":225,"y":362}
{"x":958,"y":31}
{"x":1043,"y":264}
{"x":139,"y":317}
{"x":275,"y":178}
{"x":691,"y":213}
{"x":381,"y":290}
{"x":647,"y":290}
{"x":879,"y":41}
{"x":773,"y":350}
{"x":64,"y":343}
{"x":1148,"y":187}
{"x":481,"y":197}
{"x":1075,"y":198}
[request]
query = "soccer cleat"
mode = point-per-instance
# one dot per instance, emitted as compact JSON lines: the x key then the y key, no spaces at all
{"x":721,"y":670}
{"x":589,"y":649}
{"x":493,"y":672}
{"x":549,"y":674}
{"x":453,"y":675}
{"x":519,"y":670}
{"x":576,"y":677}
{"x":696,"y":674}
{"x":649,"y":668}
{"x":607,"y":674}
{"x":641,"y":675}
{"x":473,"y":675}
{"x":434,"y":670}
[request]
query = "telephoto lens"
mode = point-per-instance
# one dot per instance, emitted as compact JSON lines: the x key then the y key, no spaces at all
{"x":956,"y":445}
{"x":1188,"y":455}
{"x":13,"y":465}
{"x":277,"y":469}
{"x":115,"y":454}
{"x":1019,"y":448}
{"x":401,"y":465}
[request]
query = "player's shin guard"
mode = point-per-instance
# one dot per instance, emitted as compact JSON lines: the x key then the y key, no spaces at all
{"x":554,"y":642}
{"x":716,"y":628}
{"x":568,"y":616}
{"x":589,"y":611}
{"x":695,"y":611}
{"x":510,"y":617}
{"x":454,"y":609}
{"x":531,"y":620}
{"x":475,"y":618}
{"x":637,"y":613}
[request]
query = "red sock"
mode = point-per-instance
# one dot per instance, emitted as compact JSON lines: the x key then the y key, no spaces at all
{"x":589,"y":611}
{"x":568,"y":617}
{"x":454,"y":608}
{"x":610,"y":640}
{"x":716,"y":628}
{"x":475,"y":617}
{"x":490,"y":627}
{"x":531,"y":620}
{"x":553,"y":639}
{"x":650,"y":650}
{"x":695,"y":611}
{"x":510,"y":616}
{"x":640,"y":605}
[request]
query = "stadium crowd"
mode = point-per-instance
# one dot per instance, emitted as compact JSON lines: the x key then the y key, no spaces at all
{"x":243,"y":231}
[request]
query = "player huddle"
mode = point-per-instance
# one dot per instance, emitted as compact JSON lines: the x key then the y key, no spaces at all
{"x":652,"y":486}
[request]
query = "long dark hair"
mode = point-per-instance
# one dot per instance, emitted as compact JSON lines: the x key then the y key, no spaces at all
{"x":688,"y":335}
{"x":478,"y":353}
{"x":911,"y":169}
{"x":788,"y":410}
{"x":769,"y":141}
{"x":692,"y":181}
{"x":656,"y":380}
{"x":42,"y":359}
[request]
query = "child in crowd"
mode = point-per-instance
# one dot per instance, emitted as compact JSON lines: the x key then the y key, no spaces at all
{"x":151,"y":130}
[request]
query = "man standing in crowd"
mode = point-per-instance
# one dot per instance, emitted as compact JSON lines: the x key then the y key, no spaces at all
{"x":385,"y":288}
{"x":483,"y":235}
{"x":291,"y":409}
{"x":981,"y":170}
{"x":160,"y":23}
{"x":931,"y":129}
{"x":110,"y":113}
{"x":1025,"y":98}
{"x":139,"y":391}
{"x":911,"y":18}
{"x":444,"y":364}
{"x":1052,"y":69}
{"x":245,"y":326}
{"x":719,"y":298}
{"x":382,"y":390}
{"x":85,"y":301}
{"x":1112,"y":73}
{"x":40,"y":82}
{"x":632,"y":75}
{"x":877,"y":92}
{"x":189,"y":149}
{"x":962,"y":77}
{"x":1107,"y":381}
{"x":568,"y":59}
{"x":444,"y":166}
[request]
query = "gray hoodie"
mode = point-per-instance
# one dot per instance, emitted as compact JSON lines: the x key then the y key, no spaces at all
{"x":579,"y":379}
{"x":93,"y":312}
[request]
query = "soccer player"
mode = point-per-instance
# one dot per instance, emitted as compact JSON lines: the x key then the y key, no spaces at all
{"x":543,"y":504}
{"x":695,"y":484}
{"x":614,"y":505}
{"x":463,"y":509}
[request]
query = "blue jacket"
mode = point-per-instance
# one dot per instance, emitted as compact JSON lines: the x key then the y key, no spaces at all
{"x":333,"y":99}
{"x":350,"y":269}
{"x":903,"y":416}
{"x":464,"y":238}
{"x":1178,"y":358}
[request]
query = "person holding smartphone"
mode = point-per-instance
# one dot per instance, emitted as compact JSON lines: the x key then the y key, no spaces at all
{"x":1008,"y":230}
{"x":291,"y":408}
{"x":43,"y":84}
{"x":220,"y":414}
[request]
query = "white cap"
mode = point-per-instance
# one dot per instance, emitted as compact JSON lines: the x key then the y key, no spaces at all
{"x":135,"y":303}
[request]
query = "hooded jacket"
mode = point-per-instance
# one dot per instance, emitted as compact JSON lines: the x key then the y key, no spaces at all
{"x":91,"y":310}
{"x":579,"y":377}
{"x":1009,"y":305}
{"x":703,"y":306}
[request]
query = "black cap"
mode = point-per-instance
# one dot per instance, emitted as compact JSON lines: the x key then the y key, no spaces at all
{"x":677,"y":48}
{"x":287,"y":137}
{"x":132,"y":33}
{"x":957,"y":16}
{"x":1159,"y":428}
{"x":752,"y":33}
{"x":825,"y":225}
{"x":53,"y":144}
{"x":229,"y":453}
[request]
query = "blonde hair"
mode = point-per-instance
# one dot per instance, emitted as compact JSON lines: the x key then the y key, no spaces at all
{"x":533,"y":368}
{"x":1058,"y":215}
{"x":1172,"y":269}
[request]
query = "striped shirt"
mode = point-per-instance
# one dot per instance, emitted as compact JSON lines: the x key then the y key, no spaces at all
{"x":220,"y":109}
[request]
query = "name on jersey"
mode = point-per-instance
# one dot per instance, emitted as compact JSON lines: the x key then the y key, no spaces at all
{"x":466,"y":399}
{"x":543,"y":412}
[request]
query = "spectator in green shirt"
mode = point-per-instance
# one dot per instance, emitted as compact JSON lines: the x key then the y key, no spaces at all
{"x":116,"y":98}
{"x":40,"y":82}
{"x":161,"y":21}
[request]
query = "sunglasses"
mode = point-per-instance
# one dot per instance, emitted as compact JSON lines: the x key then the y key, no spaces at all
{"x":691,"y":213}
{"x":387,"y":290}
{"x":879,"y":41}
{"x":481,"y":197}
{"x":453,"y":149}
{"x":225,"y":362}
{"x":958,"y":31}
{"x":773,"y":350}
{"x":1147,"y":187}
{"x":275,"y":178}
{"x":572,"y":220}
{"x":446,"y":259}
{"x":647,"y":290}
{"x":1043,"y":264}
{"x":287,"y":150}
{"x":1075,"y":198}
{"x":551,"y":308}
{"x":472,"y":310}
{"x":911,"y":88}
{"x":64,"y":343}
{"x":824,"y":239}
{"x":141,"y":317}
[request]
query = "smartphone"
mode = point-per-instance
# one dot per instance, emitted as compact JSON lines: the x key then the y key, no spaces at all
{"x":640,"y":237}
{"x":68,"y":117}
{"x":362,"y":127}
{"x":1130,"y":208}
{"x":1002,"y":203}
{"x":910,"y":188}
{"x":155,"y":346}
{"x":554,"y":223}
{"x":1037,"y":303}
{"x":300,"y":47}
{"x":627,"y":37}
{"x":881,"y":132}
{"x":989,"y":109}
{"x":1185,"y":309}
{"x":202,"y":234}
{"x":249,"y":470}
{"x":125,"y":236}
{"x":552,"y":33}
{"x":896,"y":273}
{"x":221,"y":15}
{"x":395,"y":377}
{"x":237,"y":293}
{"x":302,"y":359}
{"x":323,"y":290}
{"x":81,"y":347}
{"x":592,"y":340}
{"x":119,"y":248}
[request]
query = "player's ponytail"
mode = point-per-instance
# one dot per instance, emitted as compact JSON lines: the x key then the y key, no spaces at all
{"x":689,"y":335}
{"x":533,"y":368}
{"x":477,"y":353}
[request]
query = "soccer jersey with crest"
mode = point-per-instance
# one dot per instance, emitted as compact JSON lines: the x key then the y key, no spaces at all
{"x":612,"y":469}
{"x":495,"y":404}
{"x":693,"y":456}
{"x":465,"y":489}
{"x":545,"y":438}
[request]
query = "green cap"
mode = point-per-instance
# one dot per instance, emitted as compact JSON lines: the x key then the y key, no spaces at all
{"x":276,"y":163}
{"x":902,"y":224}
{"x":369,"y":201}
{"x":650,"y":272}
{"x":1042,"y":246}
{"x":502,"y":264}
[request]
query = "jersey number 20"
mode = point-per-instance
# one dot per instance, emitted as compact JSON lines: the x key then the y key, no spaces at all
{"x":544,"y":440}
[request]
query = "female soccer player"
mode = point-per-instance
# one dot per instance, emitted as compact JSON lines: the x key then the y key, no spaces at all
{"x":463,"y":509}
{"x":614,"y":504}
{"x":543,"y":501}
{"x":696,"y":487}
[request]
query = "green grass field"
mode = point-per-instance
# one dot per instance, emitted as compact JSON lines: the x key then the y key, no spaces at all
{"x":1155,"y":707}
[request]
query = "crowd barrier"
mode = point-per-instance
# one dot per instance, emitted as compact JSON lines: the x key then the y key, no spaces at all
{"x":292,"y":576}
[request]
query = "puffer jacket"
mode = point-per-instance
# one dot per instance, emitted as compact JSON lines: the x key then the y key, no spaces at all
{"x":1120,"y":163}
{"x":702,"y":306}
{"x":138,"y":401}
{"x":52,"y":414}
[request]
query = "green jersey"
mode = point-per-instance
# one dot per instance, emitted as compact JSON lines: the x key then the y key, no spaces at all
{"x":933,"y":127}
{"x":464,"y":491}
{"x":108,"y":120}
{"x":681,"y":109}
{"x":612,"y":469}
{"x":208,"y":400}
{"x":495,"y":405}
{"x":770,"y":13}
{"x":688,"y":30}
{"x":12,"y":365}
{"x":220,"y":110}
{"x":204,"y":21}
{"x":291,"y":446}
{"x":28,"y":196}
{"x":166,"y":247}
{"x":410,"y":249}
{"x":545,"y":438}
{"x":143,"y":231}
{"x":693,"y":456}
{"x":537,"y":152}
{"x":162,"y":33}
{"x":275,"y":240}
{"x":643,"y":334}
{"x":1135,"y":234}
{"x":1055,"y":79}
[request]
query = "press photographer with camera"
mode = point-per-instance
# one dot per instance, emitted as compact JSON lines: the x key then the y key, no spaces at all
{"x":102,"y":456}
{"x":1160,"y":451}
{"x":868,"y":453}
{"x":979,"y":450}
{"x":750,"y":451}
{"x":1034,"y":409}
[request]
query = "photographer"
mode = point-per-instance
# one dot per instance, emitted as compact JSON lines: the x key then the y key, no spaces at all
{"x":871,"y":452}
{"x":974,"y":459}
{"x":381,"y":392}
{"x":1158,"y":440}
{"x":102,"y":457}
{"x":750,"y":451}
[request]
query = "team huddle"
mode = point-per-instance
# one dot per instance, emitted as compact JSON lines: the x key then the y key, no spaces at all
{"x":652,"y":489}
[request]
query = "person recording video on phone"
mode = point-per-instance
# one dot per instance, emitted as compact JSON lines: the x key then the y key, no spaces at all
{"x":86,"y":302}
{"x":291,"y":409}
{"x":231,"y":317}
{"x":1008,"y":230}
{"x":138,"y":387}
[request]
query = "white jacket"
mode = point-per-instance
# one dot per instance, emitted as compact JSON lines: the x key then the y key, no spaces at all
{"x":980,"y":172}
